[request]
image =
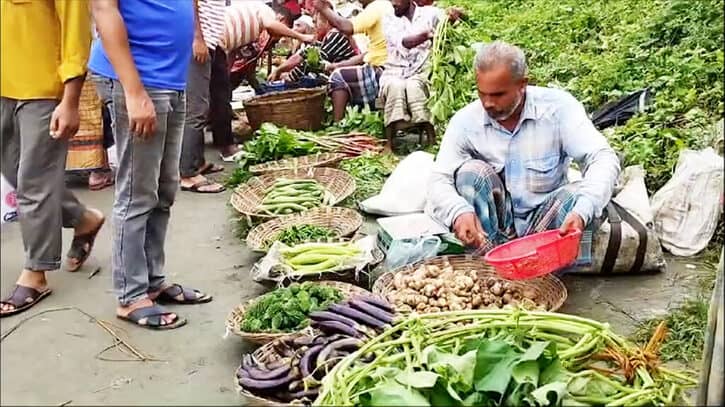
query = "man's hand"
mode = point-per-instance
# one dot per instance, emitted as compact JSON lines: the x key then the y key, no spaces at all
{"x":572,"y":222}
{"x":329,"y":67}
{"x":306,"y":38}
{"x":201,"y":52}
{"x":273,"y":76}
{"x":467,"y":228}
{"x":320,"y":4}
{"x":141,"y":115}
{"x":64,"y":121}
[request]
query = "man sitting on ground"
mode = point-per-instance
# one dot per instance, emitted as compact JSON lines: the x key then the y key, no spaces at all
{"x":334,"y":47}
{"x":350,"y":82}
{"x":502,"y":167}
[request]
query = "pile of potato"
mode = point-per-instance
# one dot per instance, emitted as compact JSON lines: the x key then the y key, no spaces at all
{"x":430,"y":288}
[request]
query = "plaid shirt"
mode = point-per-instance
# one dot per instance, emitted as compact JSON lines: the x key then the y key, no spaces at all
{"x":533,"y":160}
{"x":403,"y":62}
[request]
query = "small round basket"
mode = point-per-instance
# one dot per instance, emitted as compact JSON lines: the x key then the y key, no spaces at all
{"x":304,"y":162}
{"x":247,"y":197}
{"x":343,"y":221}
{"x":235,"y":317}
{"x":301,"y":109}
{"x":550,"y":291}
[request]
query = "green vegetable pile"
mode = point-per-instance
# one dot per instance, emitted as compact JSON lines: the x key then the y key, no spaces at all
{"x":360,"y":120}
{"x":297,"y":234}
{"x":313,"y":258}
{"x":274,"y":143}
{"x":286,"y":309}
{"x":502,"y":357}
{"x":370,"y":172}
{"x":600,"y":51}
{"x":313,"y":59}
{"x":293,"y":195}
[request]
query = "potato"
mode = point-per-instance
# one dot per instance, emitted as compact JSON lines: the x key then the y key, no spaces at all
{"x":490,"y":282}
{"x":476,"y":301}
{"x":499,"y":302}
{"x":434,"y":309}
{"x":497,"y":289}
{"x":421,"y":306}
{"x":506,"y":298}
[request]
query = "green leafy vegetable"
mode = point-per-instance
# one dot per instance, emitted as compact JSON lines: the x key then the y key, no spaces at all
{"x":297,"y":234}
{"x":286,"y":309}
{"x":370,"y":172}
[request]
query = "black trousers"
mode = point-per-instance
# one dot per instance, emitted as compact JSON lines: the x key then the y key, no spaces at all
{"x":220,"y":97}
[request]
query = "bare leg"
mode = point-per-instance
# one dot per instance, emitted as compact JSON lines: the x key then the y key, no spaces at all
{"x":339,"y":103}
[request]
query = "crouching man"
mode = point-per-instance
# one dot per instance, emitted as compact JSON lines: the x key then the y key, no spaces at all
{"x":501,"y":172}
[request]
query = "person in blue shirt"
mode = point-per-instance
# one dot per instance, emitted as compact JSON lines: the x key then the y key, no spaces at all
{"x":501,"y":171}
{"x":142,"y":62}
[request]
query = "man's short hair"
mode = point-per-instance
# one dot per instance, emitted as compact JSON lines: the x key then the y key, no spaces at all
{"x":501,"y":53}
{"x":285,"y":13}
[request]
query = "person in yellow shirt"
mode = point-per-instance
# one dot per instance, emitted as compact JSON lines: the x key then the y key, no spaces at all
{"x":40,"y":87}
{"x":351,"y":83}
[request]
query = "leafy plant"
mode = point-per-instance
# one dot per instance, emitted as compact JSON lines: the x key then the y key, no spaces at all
{"x":370,"y":172}
{"x":359,"y":120}
{"x":297,"y":234}
{"x":600,"y":51}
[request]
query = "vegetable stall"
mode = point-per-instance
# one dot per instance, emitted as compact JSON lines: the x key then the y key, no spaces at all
{"x":450,"y":330}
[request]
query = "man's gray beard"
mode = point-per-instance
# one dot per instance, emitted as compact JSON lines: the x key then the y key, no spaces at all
{"x":508,"y":114}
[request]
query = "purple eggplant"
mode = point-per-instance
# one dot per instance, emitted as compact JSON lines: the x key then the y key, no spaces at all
{"x":372,"y":310}
{"x":307,"y":362}
{"x":265,"y":385}
{"x":336,"y":327}
{"x":259,"y":374}
{"x":377,"y":302}
{"x":278,"y":363}
{"x":240,"y":372}
{"x":330,"y":316}
{"x":347,"y":343}
{"x":357,"y":315}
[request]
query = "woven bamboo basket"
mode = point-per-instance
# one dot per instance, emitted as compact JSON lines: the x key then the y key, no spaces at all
{"x":343,"y":221}
{"x":550,"y":291}
{"x":306,"y":161}
{"x":247,"y":197}
{"x":302,"y":109}
{"x":263,"y":354}
{"x":235,"y":317}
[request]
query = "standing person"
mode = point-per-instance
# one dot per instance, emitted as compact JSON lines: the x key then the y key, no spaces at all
{"x":208,"y":28}
{"x":501,"y":169}
{"x":144,"y":56}
{"x":40,"y":90}
{"x":350,"y":82}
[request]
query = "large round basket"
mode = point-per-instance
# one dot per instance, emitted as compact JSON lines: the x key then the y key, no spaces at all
{"x":306,"y":161}
{"x":263,"y":354}
{"x":343,"y":221}
{"x":551,"y":292}
{"x":247,"y":197}
{"x":235,"y":317}
{"x":301,"y":109}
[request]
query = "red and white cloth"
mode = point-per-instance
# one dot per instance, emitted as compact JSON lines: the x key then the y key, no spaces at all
{"x":243,"y":23}
{"x":211,"y":19}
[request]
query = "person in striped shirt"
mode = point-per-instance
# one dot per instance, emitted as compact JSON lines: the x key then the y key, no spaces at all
{"x":244,"y":22}
{"x":333,"y":45}
{"x":208,"y":29}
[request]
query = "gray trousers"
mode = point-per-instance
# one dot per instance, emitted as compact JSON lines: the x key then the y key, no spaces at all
{"x":197,"y":109}
{"x":34,"y":164}
{"x":146,"y":183}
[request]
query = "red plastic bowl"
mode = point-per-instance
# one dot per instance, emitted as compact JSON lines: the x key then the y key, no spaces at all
{"x":535,"y":255}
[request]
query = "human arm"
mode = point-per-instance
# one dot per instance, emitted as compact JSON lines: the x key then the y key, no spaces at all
{"x":276,"y":28}
{"x":75,"y":33}
{"x":201,"y":52}
{"x":414,"y":40}
{"x":354,"y":61}
{"x":444,"y":203}
{"x":599,"y":163}
{"x":114,"y":37}
{"x":343,"y":25}
{"x":288,"y":65}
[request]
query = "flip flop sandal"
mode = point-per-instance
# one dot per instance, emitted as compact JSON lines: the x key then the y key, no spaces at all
{"x":231,"y":158}
{"x":107,"y":181}
{"x":211,"y":169}
{"x":23,"y":298}
{"x":78,"y":249}
{"x":199,"y":185}
{"x":153,"y":316}
{"x":170,"y":296}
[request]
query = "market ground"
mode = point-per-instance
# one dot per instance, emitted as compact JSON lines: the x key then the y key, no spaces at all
{"x":51,"y":359}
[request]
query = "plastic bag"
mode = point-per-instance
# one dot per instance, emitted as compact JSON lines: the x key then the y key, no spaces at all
{"x":9,"y":207}
{"x":620,"y":111}
{"x":404,"y":192}
{"x":271,"y":267}
{"x":410,"y":251}
{"x":687,"y":208}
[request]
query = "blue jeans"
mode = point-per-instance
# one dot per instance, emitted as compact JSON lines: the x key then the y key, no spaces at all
{"x":147,"y":179}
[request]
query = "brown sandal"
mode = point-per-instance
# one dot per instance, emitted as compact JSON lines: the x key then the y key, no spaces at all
{"x":22,"y":298}
{"x":81,"y":246}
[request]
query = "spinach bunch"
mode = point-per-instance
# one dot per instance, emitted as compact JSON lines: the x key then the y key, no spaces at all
{"x":297,"y":234}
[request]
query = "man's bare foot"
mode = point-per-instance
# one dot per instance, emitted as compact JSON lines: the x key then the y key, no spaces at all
{"x":84,"y":236}
{"x":91,"y":219}
{"x":33,"y":279}
{"x":145,"y":303}
{"x":201,"y":184}
{"x":229,"y":151}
